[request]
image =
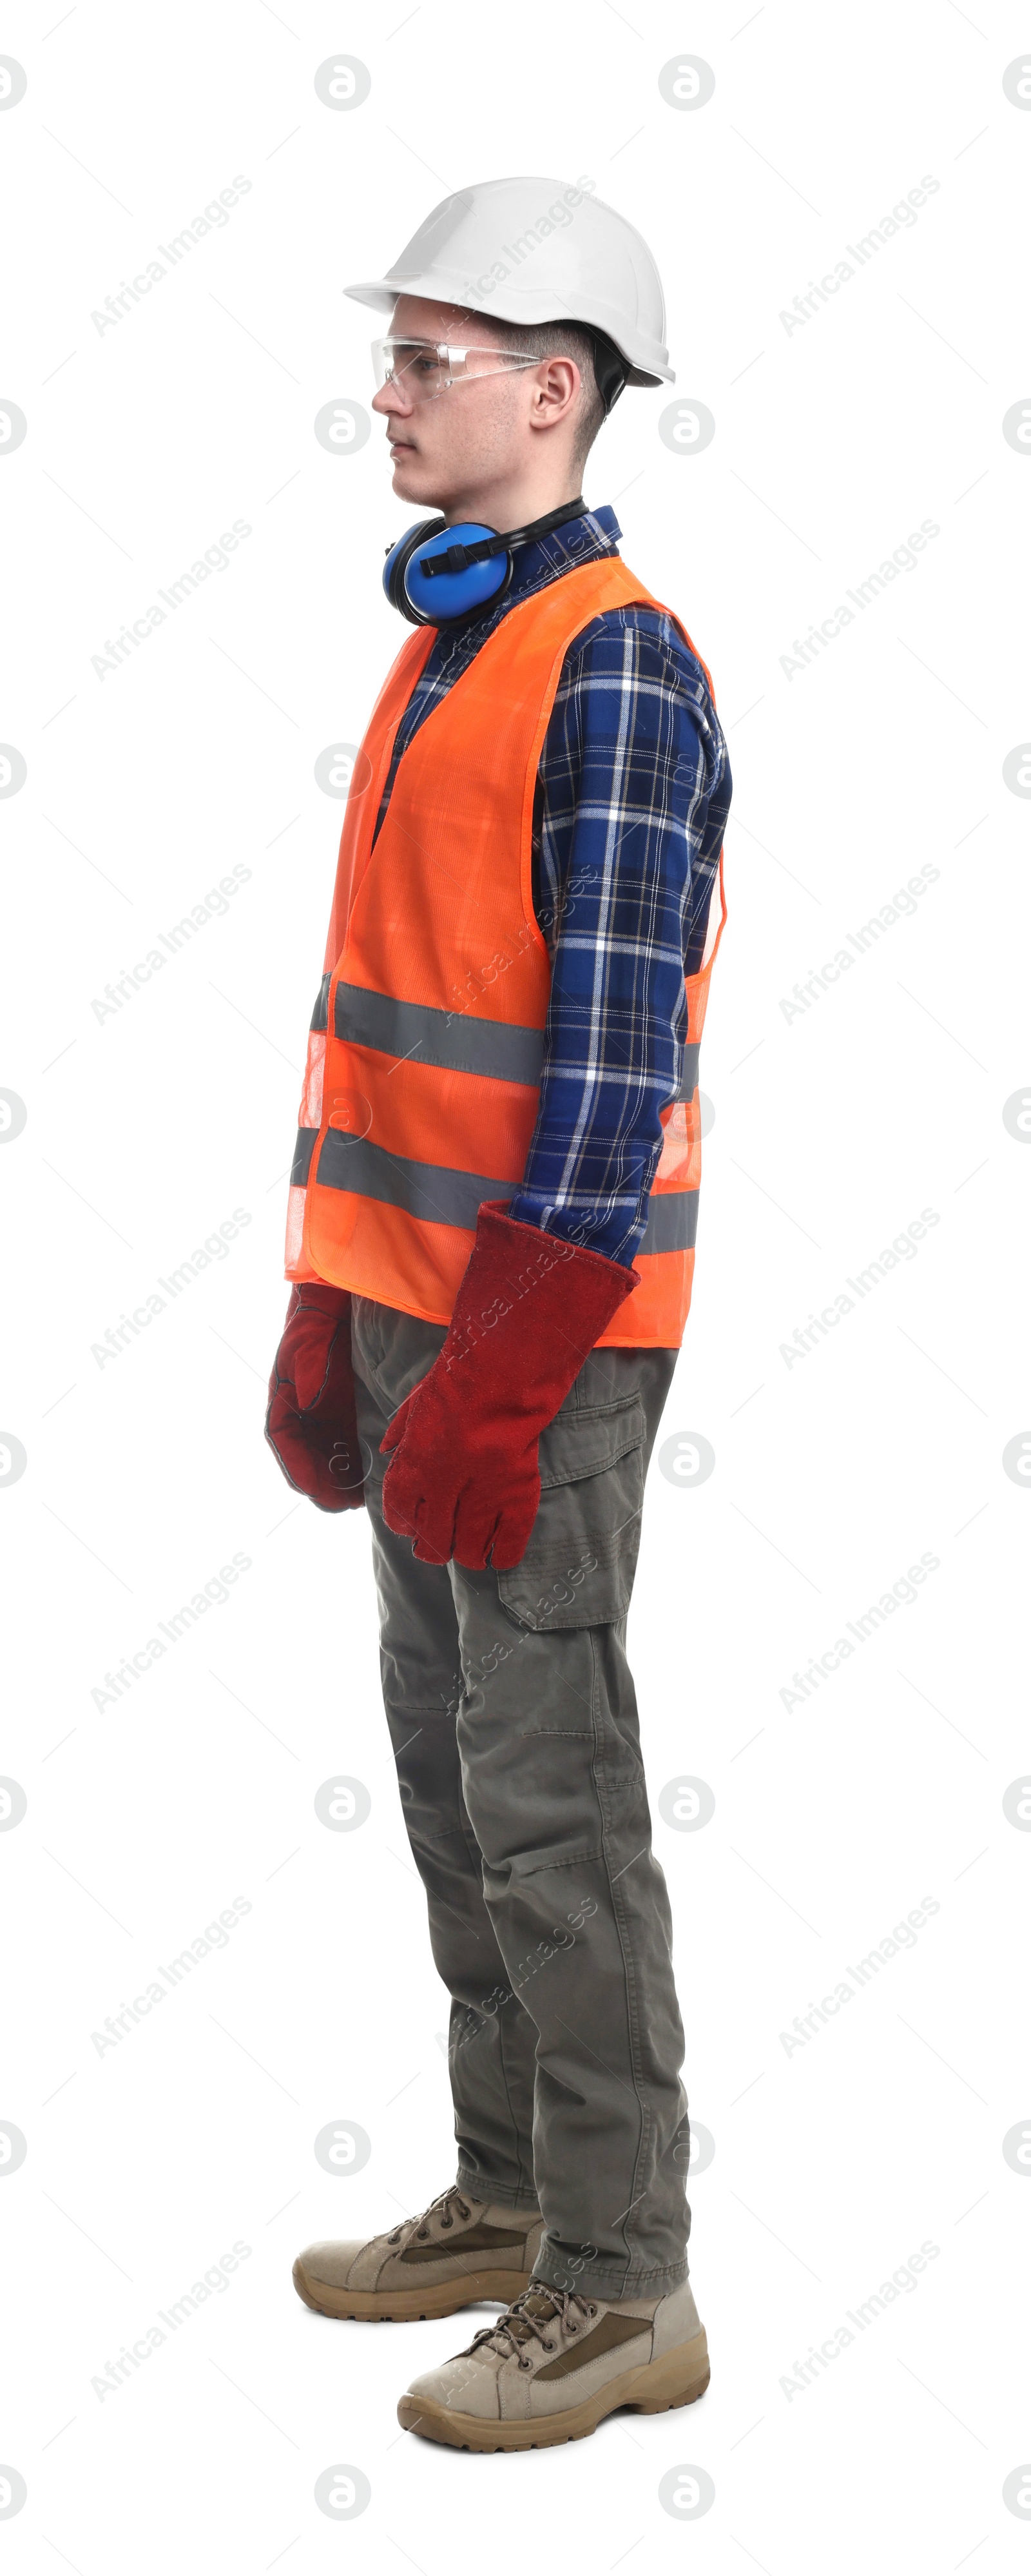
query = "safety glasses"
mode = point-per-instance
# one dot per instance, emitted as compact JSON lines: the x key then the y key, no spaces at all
{"x":424,"y":368}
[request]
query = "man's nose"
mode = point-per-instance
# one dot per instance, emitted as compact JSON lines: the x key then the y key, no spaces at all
{"x":391,"y":397}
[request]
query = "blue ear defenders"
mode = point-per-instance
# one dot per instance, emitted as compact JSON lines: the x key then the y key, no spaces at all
{"x":436,"y":574}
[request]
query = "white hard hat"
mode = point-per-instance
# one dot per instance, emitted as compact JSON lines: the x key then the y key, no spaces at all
{"x":537,"y":250}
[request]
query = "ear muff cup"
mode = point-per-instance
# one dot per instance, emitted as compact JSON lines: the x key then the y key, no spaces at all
{"x":465,"y":587}
{"x":398,"y":558}
{"x":442,"y":599}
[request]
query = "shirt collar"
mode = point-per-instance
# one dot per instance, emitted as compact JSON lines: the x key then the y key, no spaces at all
{"x":577,"y":541}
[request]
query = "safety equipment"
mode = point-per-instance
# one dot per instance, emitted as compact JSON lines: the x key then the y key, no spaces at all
{"x":311,"y":1421}
{"x":535,"y":250}
{"x":469,"y":565}
{"x":463,"y":1480}
{"x":427,"y":1039}
{"x":409,"y":2270}
{"x":426,"y":368}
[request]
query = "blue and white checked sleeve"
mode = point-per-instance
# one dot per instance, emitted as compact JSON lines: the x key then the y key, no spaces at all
{"x":632,"y":796}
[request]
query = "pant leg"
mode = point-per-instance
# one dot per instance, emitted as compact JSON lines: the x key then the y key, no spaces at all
{"x":554,"y":1785}
{"x":491,"y":2037}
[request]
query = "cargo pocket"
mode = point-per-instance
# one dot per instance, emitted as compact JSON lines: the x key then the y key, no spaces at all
{"x":578,"y":1570}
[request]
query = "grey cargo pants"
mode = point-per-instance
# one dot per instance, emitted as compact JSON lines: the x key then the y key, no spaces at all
{"x":512,"y":1712}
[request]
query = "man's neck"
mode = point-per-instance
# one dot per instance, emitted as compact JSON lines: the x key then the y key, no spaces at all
{"x":508,"y":505}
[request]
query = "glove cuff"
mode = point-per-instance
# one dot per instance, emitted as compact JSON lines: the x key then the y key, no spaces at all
{"x":531,"y":1303}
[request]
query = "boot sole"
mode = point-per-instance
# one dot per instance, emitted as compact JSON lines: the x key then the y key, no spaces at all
{"x":677,"y":2380}
{"x":393,"y":2307}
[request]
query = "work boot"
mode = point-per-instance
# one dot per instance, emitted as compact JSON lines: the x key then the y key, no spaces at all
{"x":460,"y":2249}
{"x":555,"y":2364}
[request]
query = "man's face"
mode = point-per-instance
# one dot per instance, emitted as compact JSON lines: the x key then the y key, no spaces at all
{"x":469,"y":433}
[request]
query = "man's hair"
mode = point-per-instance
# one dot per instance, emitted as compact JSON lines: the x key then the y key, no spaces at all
{"x":562,"y":340}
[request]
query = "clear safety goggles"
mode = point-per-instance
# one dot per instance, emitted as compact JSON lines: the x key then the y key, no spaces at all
{"x":423,"y":368}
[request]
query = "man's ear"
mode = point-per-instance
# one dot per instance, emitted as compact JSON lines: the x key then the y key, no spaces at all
{"x":550,"y":412}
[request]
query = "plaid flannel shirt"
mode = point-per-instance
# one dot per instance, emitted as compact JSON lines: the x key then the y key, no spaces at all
{"x":633,"y":787}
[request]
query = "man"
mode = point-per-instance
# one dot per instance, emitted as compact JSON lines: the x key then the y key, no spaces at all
{"x":491,"y":1239}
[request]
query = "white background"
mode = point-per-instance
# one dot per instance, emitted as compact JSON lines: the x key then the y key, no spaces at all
{"x":833,"y":1130}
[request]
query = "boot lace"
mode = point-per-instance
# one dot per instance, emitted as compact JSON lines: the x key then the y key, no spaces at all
{"x":530,"y":2318}
{"x":443,"y":2208}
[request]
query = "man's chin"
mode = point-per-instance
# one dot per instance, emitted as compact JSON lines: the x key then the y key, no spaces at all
{"x":409,"y":476}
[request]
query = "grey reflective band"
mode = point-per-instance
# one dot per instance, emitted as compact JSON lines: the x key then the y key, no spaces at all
{"x":428,"y":1190}
{"x":418,"y":1033}
{"x":688,"y":1080}
{"x":672,"y":1222}
{"x":441,"y":1196}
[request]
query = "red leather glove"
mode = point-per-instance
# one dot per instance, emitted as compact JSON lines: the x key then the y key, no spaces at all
{"x":463,"y":1480}
{"x":311,"y":1422}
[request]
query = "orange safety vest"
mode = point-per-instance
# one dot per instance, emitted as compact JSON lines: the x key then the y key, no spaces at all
{"x":424,"y":1057}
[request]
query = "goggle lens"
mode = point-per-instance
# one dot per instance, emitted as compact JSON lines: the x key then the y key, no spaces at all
{"x":424,"y":368}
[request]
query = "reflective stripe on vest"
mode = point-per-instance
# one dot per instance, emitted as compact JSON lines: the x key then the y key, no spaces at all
{"x":445,"y":1197}
{"x":427,"y":1037}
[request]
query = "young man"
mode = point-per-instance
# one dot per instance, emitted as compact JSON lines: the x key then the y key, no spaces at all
{"x":491,"y":1235}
